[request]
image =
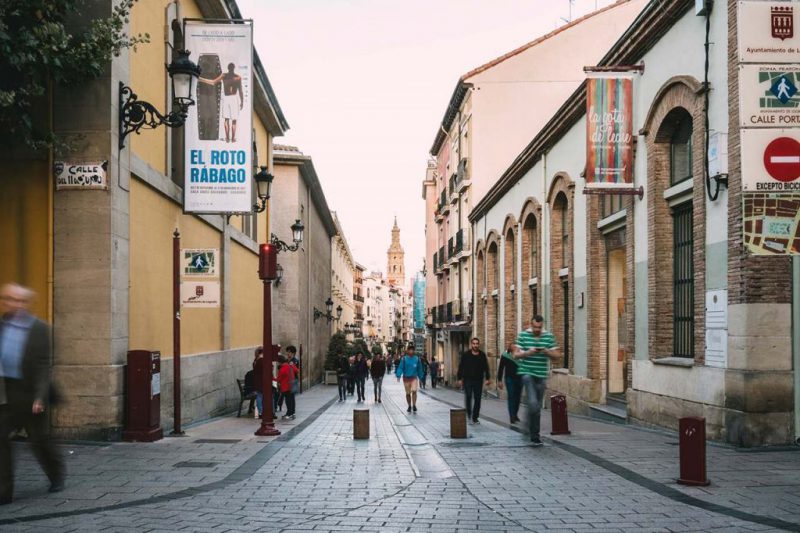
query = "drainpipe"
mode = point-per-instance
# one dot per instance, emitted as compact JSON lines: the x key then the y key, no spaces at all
{"x":796,"y":344}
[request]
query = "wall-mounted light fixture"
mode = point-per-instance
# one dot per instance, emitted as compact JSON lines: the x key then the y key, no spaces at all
{"x":328,"y":314}
{"x":135,"y":114}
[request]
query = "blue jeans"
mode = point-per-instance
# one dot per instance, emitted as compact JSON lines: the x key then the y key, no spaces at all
{"x":260,"y":403}
{"x":534,"y":389}
{"x":514,"y":389}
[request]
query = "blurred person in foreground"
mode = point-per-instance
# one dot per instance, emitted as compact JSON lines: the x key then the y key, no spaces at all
{"x":25,"y":348}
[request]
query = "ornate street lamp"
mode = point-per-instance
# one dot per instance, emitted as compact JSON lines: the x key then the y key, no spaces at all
{"x":297,"y":237}
{"x":263,"y":189}
{"x":135,"y":114}
{"x":328,"y":314}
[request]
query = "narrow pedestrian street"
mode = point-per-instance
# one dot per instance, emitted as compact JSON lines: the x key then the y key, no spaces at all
{"x":409,"y":476}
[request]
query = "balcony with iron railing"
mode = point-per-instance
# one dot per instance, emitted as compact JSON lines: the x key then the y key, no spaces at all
{"x":358,"y":298}
{"x":444,"y":205}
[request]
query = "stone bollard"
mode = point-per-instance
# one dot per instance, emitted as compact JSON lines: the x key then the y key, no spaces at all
{"x":361,"y":423}
{"x":692,"y":433}
{"x":558,"y":408}
{"x":458,"y":423}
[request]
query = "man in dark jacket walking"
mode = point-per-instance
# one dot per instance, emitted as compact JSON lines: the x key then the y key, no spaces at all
{"x":360,"y":372}
{"x":342,"y":372}
{"x":508,"y":369}
{"x":472,"y":369}
{"x":25,"y":348}
{"x":377,"y":371}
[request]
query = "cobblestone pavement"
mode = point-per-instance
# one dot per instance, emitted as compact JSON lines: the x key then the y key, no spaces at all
{"x":409,"y":476}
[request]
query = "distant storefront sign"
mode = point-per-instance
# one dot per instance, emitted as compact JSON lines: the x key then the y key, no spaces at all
{"x":609,"y":131}
{"x":768,"y":32}
{"x":200,"y":262}
{"x":83,"y":175}
{"x":200,"y":294}
{"x":218,"y":128}
{"x":769,"y":96}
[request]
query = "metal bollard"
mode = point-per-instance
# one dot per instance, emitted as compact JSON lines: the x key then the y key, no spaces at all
{"x":692,"y":432}
{"x":458,"y":423}
{"x":361,"y":423}
{"x":558,"y":408}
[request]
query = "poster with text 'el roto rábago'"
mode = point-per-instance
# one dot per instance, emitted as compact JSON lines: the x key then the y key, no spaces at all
{"x":218,"y":128}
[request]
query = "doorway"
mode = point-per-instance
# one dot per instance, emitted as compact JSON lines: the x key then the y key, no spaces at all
{"x":617,"y":321}
{"x":565,"y":329}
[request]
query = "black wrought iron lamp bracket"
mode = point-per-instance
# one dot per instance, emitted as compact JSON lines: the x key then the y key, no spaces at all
{"x":282,"y":246}
{"x":135,"y":115}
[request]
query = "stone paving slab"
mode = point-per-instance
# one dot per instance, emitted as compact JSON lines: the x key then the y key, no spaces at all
{"x":101,"y":474}
{"x":409,"y":476}
{"x":757,"y":482}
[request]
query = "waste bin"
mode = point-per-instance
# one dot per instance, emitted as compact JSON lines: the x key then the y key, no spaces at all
{"x":143,"y":397}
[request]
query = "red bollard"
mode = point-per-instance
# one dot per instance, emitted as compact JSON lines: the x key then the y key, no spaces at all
{"x":692,"y":432}
{"x":558,"y":407}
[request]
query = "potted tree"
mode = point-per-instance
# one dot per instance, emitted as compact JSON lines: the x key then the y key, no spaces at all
{"x":337,"y":347}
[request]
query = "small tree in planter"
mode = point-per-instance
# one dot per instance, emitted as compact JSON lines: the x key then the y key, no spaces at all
{"x":337,"y":346}
{"x":376,"y":349}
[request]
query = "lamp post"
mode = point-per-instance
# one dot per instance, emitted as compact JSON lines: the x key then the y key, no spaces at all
{"x":268,"y":272}
{"x":135,"y":114}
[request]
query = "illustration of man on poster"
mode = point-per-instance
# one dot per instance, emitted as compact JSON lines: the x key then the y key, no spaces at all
{"x":233,"y":99}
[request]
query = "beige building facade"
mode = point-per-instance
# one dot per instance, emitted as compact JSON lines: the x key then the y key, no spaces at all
{"x":307,"y":276}
{"x":343,"y":277}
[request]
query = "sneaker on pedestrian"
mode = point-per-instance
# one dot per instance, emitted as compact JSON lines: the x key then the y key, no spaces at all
{"x":409,"y":409}
{"x":476,"y":421}
{"x":536,"y":442}
{"x":291,"y":417}
{"x":379,"y":400}
{"x":414,"y":408}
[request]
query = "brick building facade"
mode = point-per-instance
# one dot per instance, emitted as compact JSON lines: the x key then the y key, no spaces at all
{"x":630,"y":286}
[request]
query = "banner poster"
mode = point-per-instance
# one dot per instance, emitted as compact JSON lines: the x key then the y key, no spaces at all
{"x":219,"y":128}
{"x":609,"y":131}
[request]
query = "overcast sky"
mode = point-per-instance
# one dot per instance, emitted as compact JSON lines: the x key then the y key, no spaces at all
{"x":364,"y":85}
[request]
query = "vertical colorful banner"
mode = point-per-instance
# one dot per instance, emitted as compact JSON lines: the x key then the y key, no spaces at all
{"x":609,"y":131}
{"x":218,"y":129}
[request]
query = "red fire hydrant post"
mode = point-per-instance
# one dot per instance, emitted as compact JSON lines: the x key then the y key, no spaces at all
{"x":692,"y":432}
{"x":558,"y":408}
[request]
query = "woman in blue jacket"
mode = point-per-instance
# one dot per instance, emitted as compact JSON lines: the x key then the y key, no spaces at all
{"x":410,"y":369}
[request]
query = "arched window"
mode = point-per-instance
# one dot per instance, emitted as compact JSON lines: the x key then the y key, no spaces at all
{"x":680,"y":146}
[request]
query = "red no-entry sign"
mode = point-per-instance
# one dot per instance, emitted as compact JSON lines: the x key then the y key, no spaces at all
{"x":782,"y":159}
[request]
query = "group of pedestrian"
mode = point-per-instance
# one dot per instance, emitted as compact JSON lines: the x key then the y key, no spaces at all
{"x":524,"y":365}
{"x":285,"y":385}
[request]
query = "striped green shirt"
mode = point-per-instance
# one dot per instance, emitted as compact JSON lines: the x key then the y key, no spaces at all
{"x":535,"y":365}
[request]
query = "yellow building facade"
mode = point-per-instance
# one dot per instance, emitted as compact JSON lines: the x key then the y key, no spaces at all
{"x":100,"y":260}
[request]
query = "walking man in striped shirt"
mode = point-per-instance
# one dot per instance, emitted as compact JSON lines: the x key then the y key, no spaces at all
{"x":533,"y":350}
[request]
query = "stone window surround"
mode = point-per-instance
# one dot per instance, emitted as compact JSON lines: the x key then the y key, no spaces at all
{"x":492,"y":266}
{"x":562,"y":183}
{"x":531,"y":209}
{"x":510,"y":227}
{"x":687,"y":93}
